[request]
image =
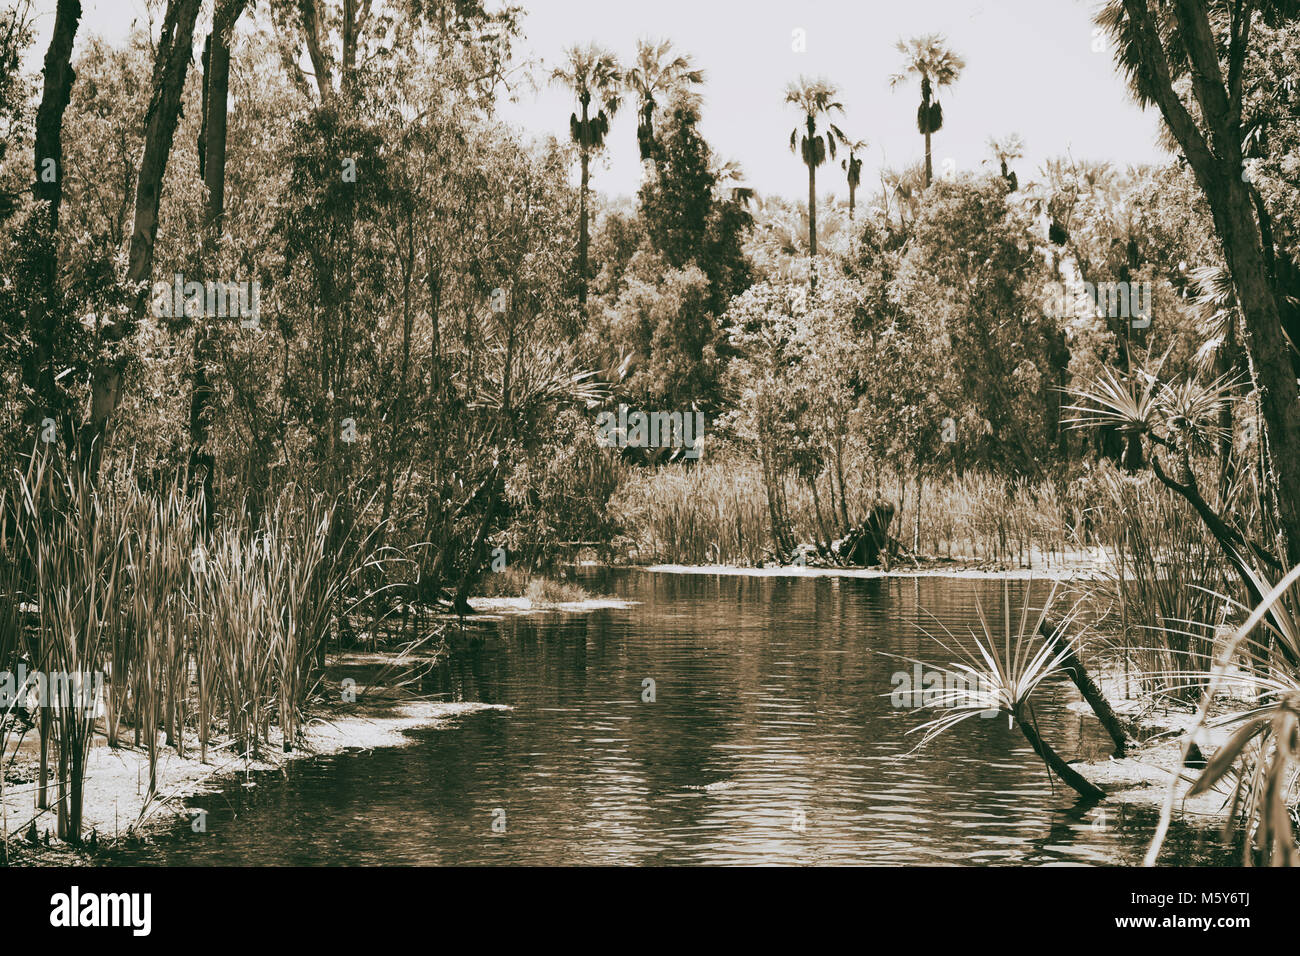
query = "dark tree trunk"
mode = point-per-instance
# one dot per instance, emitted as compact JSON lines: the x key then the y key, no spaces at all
{"x":582,"y":211}
{"x":1085,"y":788}
{"x":1087,"y":686}
{"x":175,"y":49}
{"x":1212,"y":146}
{"x":212,"y":167}
{"x":48,"y":186}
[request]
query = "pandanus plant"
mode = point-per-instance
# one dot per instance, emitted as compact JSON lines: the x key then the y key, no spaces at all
{"x":1179,"y":418}
{"x":1001,"y":676}
{"x":1260,"y":761}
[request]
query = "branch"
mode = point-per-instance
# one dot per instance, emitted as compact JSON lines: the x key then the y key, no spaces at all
{"x":1160,"y":86}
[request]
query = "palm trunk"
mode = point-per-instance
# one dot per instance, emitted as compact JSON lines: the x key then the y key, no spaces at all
{"x":812,"y":227}
{"x":582,"y":213}
{"x":925,"y":114}
{"x":1085,"y":788}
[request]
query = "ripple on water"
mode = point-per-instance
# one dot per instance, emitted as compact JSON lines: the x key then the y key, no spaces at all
{"x":771,"y":739}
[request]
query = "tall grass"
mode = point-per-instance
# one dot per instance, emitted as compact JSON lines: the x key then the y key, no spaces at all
{"x":716,"y":512}
{"x":211,"y":635}
{"x":1165,"y":572}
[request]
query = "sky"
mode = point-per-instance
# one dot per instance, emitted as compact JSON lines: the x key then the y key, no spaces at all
{"x":1033,"y":67}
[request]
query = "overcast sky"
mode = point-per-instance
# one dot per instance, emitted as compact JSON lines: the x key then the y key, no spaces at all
{"x":1031,"y":68}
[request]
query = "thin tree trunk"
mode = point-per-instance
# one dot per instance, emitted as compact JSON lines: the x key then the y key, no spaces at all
{"x":212,"y":167}
{"x":313,"y":31}
{"x":1073,"y":666}
{"x":175,"y":49}
{"x":812,"y":226}
{"x":1085,"y":788}
{"x":929,"y":163}
{"x":48,"y":186}
{"x":582,"y":215}
{"x":1219,"y":172}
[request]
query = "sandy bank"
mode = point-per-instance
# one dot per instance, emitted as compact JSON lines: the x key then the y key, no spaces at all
{"x":1143,"y":776}
{"x":116,"y":805}
{"x":1072,"y":571}
{"x":523,"y":605}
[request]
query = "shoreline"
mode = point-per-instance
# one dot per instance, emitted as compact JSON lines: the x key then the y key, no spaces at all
{"x":116,"y":808}
{"x":1066,"y":572}
{"x":1142,"y":777}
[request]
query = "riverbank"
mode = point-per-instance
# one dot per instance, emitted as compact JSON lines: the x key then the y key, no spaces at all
{"x":117,"y":806}
{"x":1143,"y":776}
{"x":1077,"y":566}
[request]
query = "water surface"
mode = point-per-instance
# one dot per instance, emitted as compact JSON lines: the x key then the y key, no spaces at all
{"x":771,"y":739}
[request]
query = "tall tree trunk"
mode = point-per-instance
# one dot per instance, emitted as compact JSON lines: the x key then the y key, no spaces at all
{"x":175,"y":49}
{"x":48,"y":186}
{"x":925,"y":114}
{"x":212,"y":167}
{"x":313,"y":32}
{"x":55,"y":96}
{"x":582,"y":213}
{"x":812,"y":227}
{"x":1220,"y":173}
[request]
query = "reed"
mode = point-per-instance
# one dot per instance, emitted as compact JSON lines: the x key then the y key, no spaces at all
{"x":1165,"y":572}
{"x":215,"y":634}
{"x":716,"y":512}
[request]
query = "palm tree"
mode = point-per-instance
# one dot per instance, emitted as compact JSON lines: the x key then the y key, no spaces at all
{"x":595,"y":78}
{"x":1005,"y":151}
{"x":937,"y":66}
{"x":814,"y":99}
{"x":656,"y":75}
{"x":853,"y":169}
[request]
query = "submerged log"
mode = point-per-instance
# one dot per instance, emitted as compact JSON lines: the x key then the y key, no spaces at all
{"x":1052,"y":633}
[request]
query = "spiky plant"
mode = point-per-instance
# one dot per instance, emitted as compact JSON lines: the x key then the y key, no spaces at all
{"x":1180,"y":418}
{"x":1003,"y":673}
{"x":1263,"y":753}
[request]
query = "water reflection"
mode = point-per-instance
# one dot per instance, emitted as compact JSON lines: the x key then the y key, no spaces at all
{"x":770,"y":739}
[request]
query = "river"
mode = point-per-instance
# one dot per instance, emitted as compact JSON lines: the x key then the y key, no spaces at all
{"x":770,"y":739}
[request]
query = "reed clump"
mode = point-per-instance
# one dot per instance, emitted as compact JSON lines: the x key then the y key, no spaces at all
{"x":716,"y":512}
{"x":174,"y":628}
